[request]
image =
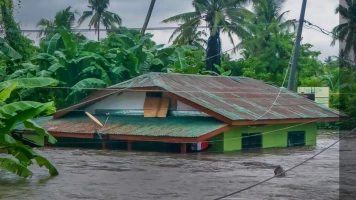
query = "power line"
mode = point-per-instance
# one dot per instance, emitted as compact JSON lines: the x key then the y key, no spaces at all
{"x":320,"y":31}
{"x":117,"y":29}
{"x":310,"y":25}
{"x":278,"y":95}
{"x":301,"y":163}
{"x":281,"y":88}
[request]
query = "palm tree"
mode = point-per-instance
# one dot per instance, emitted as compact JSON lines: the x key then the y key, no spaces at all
{"x":346,"y":31}
{"x":268,"y":19}
{"x":191,"y":36}
{"x":220,"y":16}
{"x":267,"y":11}
{"x":343,"y":59}
{"x":63,"y":19}
{"x":100,"y":15}
{"x":149,"y":13}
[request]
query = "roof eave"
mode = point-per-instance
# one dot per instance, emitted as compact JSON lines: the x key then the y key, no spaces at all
{"x":286,"y":121}
{"x":167,"y":139}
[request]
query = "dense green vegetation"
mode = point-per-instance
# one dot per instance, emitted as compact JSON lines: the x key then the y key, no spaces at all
{"x":347,"y":29}
{"x":13,"y":112}
{"x":78,"y":65}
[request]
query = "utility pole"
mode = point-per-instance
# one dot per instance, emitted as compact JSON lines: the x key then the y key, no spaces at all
{"x":291,"y":82}
{"x":150,"y":9}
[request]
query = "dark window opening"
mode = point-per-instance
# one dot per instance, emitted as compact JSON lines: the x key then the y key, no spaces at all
{"x":154,"y":94}
{"x":296,"y":138}
{"x":251,"y":141}
{"x":309,"y":96}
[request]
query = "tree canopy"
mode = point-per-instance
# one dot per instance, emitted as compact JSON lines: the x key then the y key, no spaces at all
{"x":100,"y":15}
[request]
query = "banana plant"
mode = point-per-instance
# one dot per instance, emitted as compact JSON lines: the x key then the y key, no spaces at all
{"x":75,"y":64}
{"x":7,"y":50}
{"x":12,"y":114}
{"x":138,"y":55}
{"x":8,"y":59}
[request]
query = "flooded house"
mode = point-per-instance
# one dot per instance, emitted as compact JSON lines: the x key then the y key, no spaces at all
{"x":180,"y":113}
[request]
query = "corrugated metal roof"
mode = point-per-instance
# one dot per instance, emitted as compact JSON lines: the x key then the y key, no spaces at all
{"x":189,"y":127}
{"x":237,"y":98}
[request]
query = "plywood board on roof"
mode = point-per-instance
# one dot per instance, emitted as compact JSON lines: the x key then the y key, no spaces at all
{"x":151,"y":106}
{"x":162,"y":112}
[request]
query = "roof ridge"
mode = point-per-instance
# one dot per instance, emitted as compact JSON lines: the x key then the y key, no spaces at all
{"x":131,"y":81}
{"x":200,"y":75}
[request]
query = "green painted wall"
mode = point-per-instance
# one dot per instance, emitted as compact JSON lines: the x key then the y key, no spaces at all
{"x":39,"y":140}
{"x":270,"y":138}
{"x":232,"y":140}
{"x":217,"y":143}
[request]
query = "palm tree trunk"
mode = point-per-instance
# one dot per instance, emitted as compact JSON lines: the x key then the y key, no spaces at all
{"x":149,"y":13}
{"x":99,"y":31}
{"x":213,"y":52}
{"x":99,"y":26}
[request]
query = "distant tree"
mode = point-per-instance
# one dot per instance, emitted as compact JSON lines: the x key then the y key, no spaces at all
{"x":13,"y":34}
{"x":223,"y":16}
{"x":100,"y":15}
{"x":192,"y":36}
{"x":268,"y":19}
{"x":63,"y":19}
{"x":343,"y":59}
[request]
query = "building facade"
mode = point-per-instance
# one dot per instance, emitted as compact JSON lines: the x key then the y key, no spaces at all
{"x":189,"y":112}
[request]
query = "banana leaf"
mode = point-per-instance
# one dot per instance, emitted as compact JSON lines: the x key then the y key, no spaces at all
{"x":15,"y":167}
{"x":29,"y":82}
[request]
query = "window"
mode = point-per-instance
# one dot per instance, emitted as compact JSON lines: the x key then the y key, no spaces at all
{"x":296,"y":138}
{"x":154,"y":94}
{"x":251,"y":141}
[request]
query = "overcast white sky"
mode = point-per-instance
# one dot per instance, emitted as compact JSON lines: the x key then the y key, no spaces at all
{"x":133,"y":13}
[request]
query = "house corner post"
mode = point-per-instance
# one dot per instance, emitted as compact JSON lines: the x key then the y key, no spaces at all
{"x":183,"y":148}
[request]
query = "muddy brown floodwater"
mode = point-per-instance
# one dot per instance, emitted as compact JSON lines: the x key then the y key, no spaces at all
{"x":94,"y":174}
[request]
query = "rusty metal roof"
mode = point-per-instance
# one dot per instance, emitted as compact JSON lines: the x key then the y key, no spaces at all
{"x":188,"y":127}
{"x":237,"y":98}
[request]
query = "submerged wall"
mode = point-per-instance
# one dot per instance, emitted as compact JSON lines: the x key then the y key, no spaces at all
{"x":37,"y":139}
{"x":126,"y":100}
{"x":272,"y":136}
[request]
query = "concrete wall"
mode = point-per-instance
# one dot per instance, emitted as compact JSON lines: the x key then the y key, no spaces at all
{"x":231,"y":140}
{"x":127,"y":100}
{"x":183,"y":107}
